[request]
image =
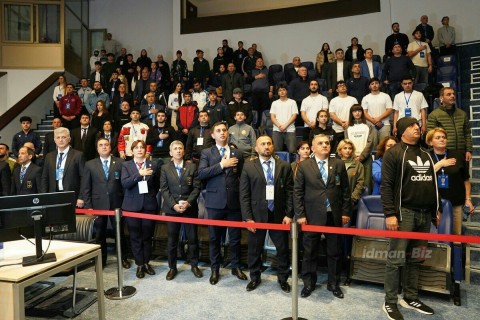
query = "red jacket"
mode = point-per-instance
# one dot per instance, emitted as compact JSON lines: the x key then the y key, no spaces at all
{"x":187,"y":116}
{"x":73,"y":109}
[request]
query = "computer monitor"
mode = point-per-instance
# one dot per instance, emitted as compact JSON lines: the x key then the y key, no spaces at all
{"x":37,"y":215}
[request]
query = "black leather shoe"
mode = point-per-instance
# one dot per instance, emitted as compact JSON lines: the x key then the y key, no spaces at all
{"x":284,"y":286}
{"x":140,"y":272}
{"x":126,"y":264}
{"x":252,"y":285}
{"x":214,"y":277}
{"x":306,"y":292}
{"x":239,"y":274}
{"x":337,"y":292}
{"x":197,"y":272}
{"x":171,"y":274}
{"x":149,"y":270}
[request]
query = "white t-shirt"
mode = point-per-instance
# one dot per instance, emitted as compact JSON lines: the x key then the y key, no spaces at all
{"x":312,"y":104}
{"x":416,"y":102}
{"x":370,"y":68}
{"x":417,"y":59}
{"x":358,"y":133}
{"x":341,"y":107}
{"x":340,"y":71}
{"x":283,"y":110}
{"x":377,"y":104}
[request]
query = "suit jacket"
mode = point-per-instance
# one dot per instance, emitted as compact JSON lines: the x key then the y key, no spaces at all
{"x":31,"y":181}
{"x":88,"y":145}
{"x":332,"y":73}
{"x":49,"y":144}
{"x":253,"y":188}
{"x":310,"y":192}
{"x":5,"y":178}
{"x":377,"y":69}
{"x":72,"y":175}
{"x":175,"y":188}
{"x":222,"y":185}
{"x":230,"y":82}
{"x":98,"y":191}
{"x":133,"y":200}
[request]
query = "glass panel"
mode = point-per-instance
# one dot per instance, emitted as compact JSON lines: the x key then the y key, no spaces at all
{"x":49,"y":23}
{"x":85,"y":54}
{"x":73,"y":43}
{"x":75,"y":6}
{"x":85,"y":11}
{"x":17,"y":22}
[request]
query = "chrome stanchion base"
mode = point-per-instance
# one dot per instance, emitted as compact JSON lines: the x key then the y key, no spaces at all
{"x":120,"y":294}
{"x":290,"y":318}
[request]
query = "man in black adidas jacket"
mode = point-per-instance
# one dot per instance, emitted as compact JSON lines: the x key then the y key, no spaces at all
{"x":411,"y":202}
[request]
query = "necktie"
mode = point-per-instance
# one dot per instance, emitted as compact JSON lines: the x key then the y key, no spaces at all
{"x":105,"y":168}
{"x":60,"y":159}
{"x":84,"y":133}
{"x":222,"y":152}
{"x":22,"y":173}
{"x":107,"y":136}
{"x":179,"y":170}
{"x":270,"y":204}
{"x":324,"y":175}
{"x":140,"y":165}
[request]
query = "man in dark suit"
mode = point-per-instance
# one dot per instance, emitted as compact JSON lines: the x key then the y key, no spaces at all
{"x":266,"y":187}
{"x":102,"y":190}
{"x":49,"y":144}
{"x":333,"y":76}
{"x":321,"y":197}
{"x":83,"y":138}
{"x":27,"y":175}
{"x":220,"y":167}
{"x":63,"y":168}
{"x":180,"y":187}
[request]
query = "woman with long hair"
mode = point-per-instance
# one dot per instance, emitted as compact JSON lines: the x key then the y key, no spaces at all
{"x":58,"y":92}
{"x":361,"y":134}
{"x":140,"y":182}
{"x":324,"y":57}
{"x":100,"y":115}
{"x":385,"y":144}
{"x":175,"y":100}
{"x":303,"y":151}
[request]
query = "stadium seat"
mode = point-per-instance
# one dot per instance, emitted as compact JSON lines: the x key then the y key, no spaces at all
{"x":420,"y":86}
{"x":450,"y":60}
{"x":446,"y":73}
{"x":376,"y":57}
{"x":278,"y":77}
{"x":309,"y":65}
{"x":284,"y":155}
{"x":312,"y":74}
{"x":255,"y":118}
{"x":275,"y":68}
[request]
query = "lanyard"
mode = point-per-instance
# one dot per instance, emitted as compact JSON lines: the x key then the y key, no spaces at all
{"x":134,"y":131}
{"x":405,"y":97}
{"x":445,"y":157}
{"x":201,"y":131}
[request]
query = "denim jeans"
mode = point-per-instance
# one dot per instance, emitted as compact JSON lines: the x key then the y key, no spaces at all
{"x":400,"y":255}
{"x":287,"y":138}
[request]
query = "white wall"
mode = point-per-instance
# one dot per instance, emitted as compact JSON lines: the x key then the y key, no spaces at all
{"x":137,"y":25}
{"x":280,"y":44}
{"x":155,"y":26}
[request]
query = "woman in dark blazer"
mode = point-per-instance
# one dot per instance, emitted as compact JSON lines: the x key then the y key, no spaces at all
{"x":140,"y":182}
{"x":112,"y":136}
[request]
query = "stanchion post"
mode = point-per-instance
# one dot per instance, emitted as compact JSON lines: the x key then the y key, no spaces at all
{"x":120,"y":292}
{"x":294,"y":235}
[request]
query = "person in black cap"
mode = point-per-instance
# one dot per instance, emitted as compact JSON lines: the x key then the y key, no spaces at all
{"x":201,"y":68}
{"x":411,"y":202}
{"x":179,"y":69}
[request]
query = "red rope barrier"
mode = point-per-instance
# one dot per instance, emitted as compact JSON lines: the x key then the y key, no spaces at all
{"x":285,"y":227}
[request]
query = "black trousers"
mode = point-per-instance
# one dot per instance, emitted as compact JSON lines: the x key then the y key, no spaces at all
{"x":311,"y":242}
{"x":141,"y":234}
{"x":260,"y":103}
{"x":256,"y":243}
{"x":173,"y":229}
{"x":216,"y":235}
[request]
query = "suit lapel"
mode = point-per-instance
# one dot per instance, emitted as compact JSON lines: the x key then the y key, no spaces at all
{"x":173,"y":170}
{"x":68,"y":160}
{"x":316,"y":169}
{"x":99,"y":165}
{"x":259,"y":167}
{"x":276,"y":174}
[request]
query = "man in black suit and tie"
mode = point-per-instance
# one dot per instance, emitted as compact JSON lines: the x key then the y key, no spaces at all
{"x":83,"y":138}
{"x":321,"y":197}
{"x":27,"y":175}
{"x":102,"y":190}
{"x":5,"y":178}
{"x":63,"y":168}
{"x":220,"y":167}
{"x":180,"y":187}
{"x":266,"y":187}
{"x":49,"y":144}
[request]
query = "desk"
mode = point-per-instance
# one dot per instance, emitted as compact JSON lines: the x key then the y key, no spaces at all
{"x":14,"y":279}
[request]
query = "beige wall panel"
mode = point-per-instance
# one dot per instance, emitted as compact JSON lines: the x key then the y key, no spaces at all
{"x":35,"y":57}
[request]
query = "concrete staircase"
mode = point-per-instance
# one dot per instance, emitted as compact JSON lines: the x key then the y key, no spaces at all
{"x":45,"y":126}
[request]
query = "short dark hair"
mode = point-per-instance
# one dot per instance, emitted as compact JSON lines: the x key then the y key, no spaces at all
{"x":395,"y":24}
{"x":282,"y":86}
{"x":203,"y":111}
{"x":219,"y":123}
{"x":339,"y":83}
{"x":407,"y":77}
{"x":212,"y":92}
{"x":339,"y":49}
{"x":131,"y":55}
{"x":6,"y":146}
{"x":187,"y":93}
{"x":98,"y":63}
{"x":25,"y":118}
{"x":373,"y":79}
